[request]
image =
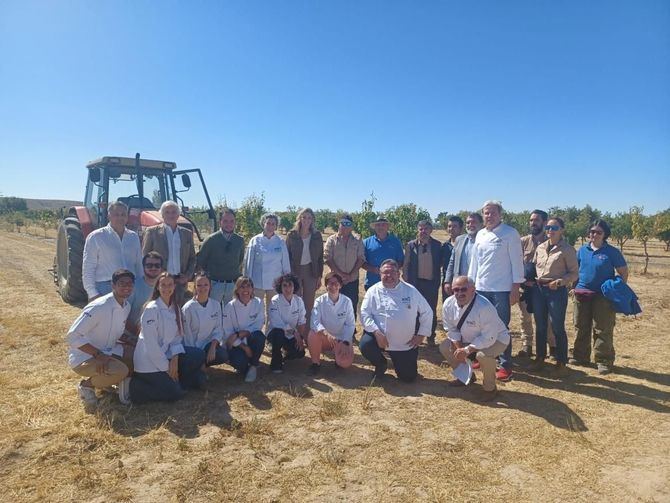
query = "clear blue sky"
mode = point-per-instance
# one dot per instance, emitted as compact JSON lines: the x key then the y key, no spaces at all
{"x":318,"y":103}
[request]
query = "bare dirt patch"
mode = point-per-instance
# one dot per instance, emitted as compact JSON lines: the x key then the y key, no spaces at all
{"x":336,"y":438}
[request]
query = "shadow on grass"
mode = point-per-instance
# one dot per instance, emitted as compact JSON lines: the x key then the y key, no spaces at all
{"x":606,"y":389}
{"x":552,"y":410}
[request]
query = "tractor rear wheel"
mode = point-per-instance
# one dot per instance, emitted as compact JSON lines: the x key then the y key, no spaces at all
{"x":68,"y":261}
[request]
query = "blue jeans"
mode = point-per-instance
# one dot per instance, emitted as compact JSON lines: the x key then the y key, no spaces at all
{"x":103,"y":287}
{"x":277,"y":338}
{"x":220,"y":357}
{"x":552,"y":304}
{"x":154,"y":387}
{"x":239,"y":359}
{"x":404,"y":362}
{"x":500,"y":301}
{"x":190,"y":368}
{"x":222,"y":291}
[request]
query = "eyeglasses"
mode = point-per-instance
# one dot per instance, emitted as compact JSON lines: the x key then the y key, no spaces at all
{"x":552,"y":227}
{"x":346,"y":223}
{"x":596,"y":231}
{"x":152,"y":265}
{"x":459,"y":290}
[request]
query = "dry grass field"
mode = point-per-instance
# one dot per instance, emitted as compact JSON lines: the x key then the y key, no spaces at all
{"x":335,"y":438}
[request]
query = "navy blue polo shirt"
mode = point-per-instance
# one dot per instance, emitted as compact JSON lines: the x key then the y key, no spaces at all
{"x":376,"y":251}
{"x":597,"y":266}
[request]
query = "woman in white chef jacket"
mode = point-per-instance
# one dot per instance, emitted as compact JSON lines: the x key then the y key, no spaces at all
{"x":203,"y":327}
{"x":266,"y":258}
{"x":243,"y":319}
{"x":163,"y":368}
{"x":288,"y":326}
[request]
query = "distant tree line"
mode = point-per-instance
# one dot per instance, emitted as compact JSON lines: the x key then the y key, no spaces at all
{"x":625,"y":225}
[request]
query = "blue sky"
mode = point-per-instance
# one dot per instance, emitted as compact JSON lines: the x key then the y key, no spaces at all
{"x":315,"y":103}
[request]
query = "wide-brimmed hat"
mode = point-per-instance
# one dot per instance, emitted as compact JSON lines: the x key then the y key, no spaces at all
{"x":380,"y":220}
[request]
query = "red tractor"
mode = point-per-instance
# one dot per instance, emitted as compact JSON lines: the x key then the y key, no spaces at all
{"x":143,"y":185}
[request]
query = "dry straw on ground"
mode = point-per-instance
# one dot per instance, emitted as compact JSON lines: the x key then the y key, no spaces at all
{"x":339,"y":437}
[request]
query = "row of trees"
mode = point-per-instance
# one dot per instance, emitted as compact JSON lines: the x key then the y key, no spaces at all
{"x":625,"y":225}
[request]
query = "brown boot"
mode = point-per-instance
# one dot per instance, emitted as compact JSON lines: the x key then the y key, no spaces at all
{"x":537,"y":365}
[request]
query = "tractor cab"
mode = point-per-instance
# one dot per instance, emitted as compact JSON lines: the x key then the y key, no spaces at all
{"x":143,"y":185}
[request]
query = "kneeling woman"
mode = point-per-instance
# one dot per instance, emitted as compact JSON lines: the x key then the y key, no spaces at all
{"x":333,"y":326}
{"x":203,"y":328}
{"x":163,"y":369}
{"x":243,"y":318}
{"x":288,"y":328}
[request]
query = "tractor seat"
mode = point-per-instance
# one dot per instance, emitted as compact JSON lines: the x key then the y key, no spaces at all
{"x":136,"y":202}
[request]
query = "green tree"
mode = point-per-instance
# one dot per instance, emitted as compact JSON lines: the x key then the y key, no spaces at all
{"x":662,"y":227}
{"x":363,"y":218}
{"x":621,"y":225}
{"x":324,"y":219}
{"x":249,"y":215}
{"x":11,"y":204}
{"x":404,"y":219}
{"x":643,"y":230}
{"x":288,"y":218}
{"x":517,"y":220}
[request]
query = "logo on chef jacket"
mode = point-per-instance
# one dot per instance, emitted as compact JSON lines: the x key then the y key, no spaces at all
{"x":470,"y":323}
{"x":214,"y":315}
{"x":407,"y":300}
{"x":342,"y":314}
{"x":150,"y":321}
{"x":296,"y":311}
{"x":253,"y":316}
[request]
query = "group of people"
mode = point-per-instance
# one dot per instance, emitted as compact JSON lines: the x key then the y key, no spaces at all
{"x":139,"y":334}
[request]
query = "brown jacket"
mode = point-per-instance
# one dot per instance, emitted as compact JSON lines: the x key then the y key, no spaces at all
{"x":294,"y":245}
{"x":154,"y":240}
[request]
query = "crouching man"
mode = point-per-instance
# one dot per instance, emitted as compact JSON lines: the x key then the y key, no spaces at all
{"x":389,"y":315}
{"x":93,"y":338}
{"x":474,"y":327}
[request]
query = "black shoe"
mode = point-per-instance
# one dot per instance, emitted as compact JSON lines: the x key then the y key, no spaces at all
{"x":380,"y":371}
{"x":525,"y":352}
{"x":313,"y":369}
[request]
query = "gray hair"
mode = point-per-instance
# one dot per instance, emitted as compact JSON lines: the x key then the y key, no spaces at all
{"x":425,"y":222}
{"x":469,"y":280}
{"x":169,"y":204}
{"x":493,"y":202}
{"x":270,"y":216}
{"x":117,"y":204}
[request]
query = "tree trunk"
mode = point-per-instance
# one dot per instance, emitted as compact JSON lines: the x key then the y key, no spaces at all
{"x":646,"y":257}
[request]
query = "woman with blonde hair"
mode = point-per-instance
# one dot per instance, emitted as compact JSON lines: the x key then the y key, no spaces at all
{"x":305,"y":251}
{"x":163,"y":368}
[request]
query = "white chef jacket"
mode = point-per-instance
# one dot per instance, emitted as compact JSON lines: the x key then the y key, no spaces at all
{"x":159,"y":338}
{"x":287,"y":315}
{"x":202,"y":325}
{"x":105,"y":252}
{"x":100,"y":324}
{"x":394,"y":312}
{"x":337,"y":318}
{"x":265,"y":260}
{"x":481,"y":329}
{"x":497,"y":259}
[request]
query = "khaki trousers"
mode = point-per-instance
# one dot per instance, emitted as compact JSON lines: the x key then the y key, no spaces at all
{"x":486,"y":358}
{"x":594,"y":320}
{"x":114,"y":373}
{"x":266,"y":297}
{"x":308,"y":288}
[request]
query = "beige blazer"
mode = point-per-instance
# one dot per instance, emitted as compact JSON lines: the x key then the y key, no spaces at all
{"x":154,"y":240}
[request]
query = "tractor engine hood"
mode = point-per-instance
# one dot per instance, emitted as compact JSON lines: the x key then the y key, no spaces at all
{"x":141,"y":219}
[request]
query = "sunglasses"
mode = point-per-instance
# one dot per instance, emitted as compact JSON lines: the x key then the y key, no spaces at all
{"x":595,"y":231}
{"x":150,"y":265}
{"x":346,"y":223}
{"x":460,"y":290}
{"x":552,"y":227}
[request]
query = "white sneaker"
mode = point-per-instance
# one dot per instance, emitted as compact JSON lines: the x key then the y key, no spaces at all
{"x":251,"y":374}
{"x":124,"y":391}
{"x":87,"y":395}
